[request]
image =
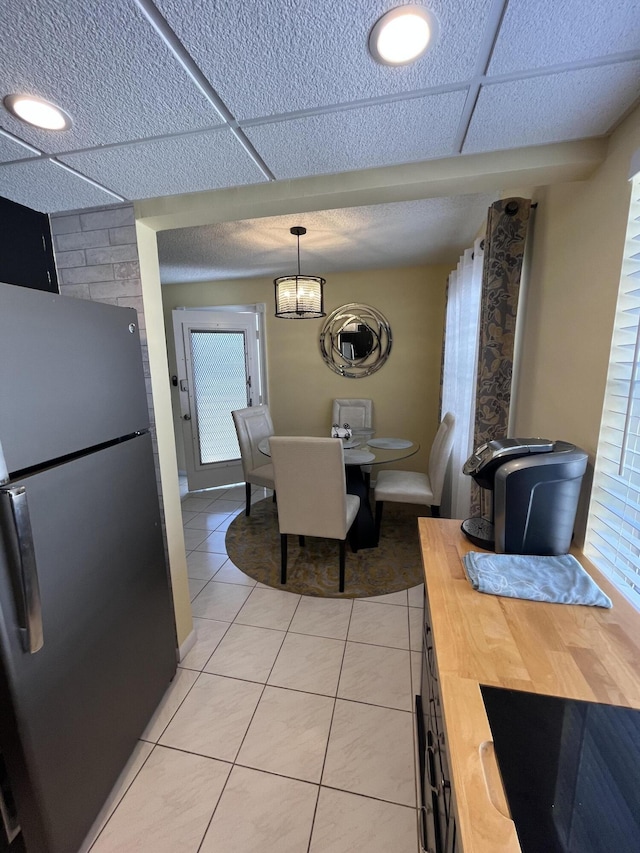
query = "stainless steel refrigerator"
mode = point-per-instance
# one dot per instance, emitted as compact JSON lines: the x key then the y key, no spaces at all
{"x":87,"y":637}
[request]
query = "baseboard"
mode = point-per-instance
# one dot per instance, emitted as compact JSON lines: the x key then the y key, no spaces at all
{"x":186,"y":647}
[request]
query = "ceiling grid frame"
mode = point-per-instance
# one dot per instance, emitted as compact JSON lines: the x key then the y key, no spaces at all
{"x":179,"y":60}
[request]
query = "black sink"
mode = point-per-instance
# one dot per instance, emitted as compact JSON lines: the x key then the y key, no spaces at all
{"x":570,"y":769}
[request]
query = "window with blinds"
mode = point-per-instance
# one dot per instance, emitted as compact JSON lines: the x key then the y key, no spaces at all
{"x":613,"y":534}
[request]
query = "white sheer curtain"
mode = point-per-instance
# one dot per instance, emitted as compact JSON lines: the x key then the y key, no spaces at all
{"x":460,"y":368}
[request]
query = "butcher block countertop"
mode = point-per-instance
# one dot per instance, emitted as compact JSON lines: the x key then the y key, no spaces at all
{"x":573,"y":651}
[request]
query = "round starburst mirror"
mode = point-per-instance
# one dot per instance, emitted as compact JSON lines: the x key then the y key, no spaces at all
{"x":355,"y":340}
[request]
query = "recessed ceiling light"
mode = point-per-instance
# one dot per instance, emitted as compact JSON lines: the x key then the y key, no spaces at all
{"x":38,"y":112}
{"x":403,"y":34}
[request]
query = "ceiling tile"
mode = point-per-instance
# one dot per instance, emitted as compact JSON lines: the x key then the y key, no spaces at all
{"x":11,"y":149}
{"x":398,"y":132}
{"x":548,"y":32}
{"x":101,"y":62}
{"x":278,"y":56}
{"x":553,"y":108}
{"x":181,"y":164}
{"x":45,"y":186}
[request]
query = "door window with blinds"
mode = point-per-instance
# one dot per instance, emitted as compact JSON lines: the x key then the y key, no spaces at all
{"x":220,"y":368}
{"x":613,"y":535}
{"x":219,"y":380}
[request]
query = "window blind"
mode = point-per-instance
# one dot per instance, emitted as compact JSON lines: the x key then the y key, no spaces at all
{"x":613,"y":529}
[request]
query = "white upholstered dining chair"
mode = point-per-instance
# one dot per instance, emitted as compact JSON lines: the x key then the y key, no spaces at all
{"x":312,"y":493}
{"x":358,"y":413}
{"x":252,"y":425}
{"x":413,"y":487}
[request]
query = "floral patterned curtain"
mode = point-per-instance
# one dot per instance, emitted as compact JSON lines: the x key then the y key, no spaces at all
{"x":507,"y":226}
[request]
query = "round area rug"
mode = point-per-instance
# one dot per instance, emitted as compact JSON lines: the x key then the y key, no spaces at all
{"x":253,"y":545}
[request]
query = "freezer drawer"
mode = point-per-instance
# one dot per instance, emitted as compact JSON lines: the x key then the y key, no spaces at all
{"x":71,"y":376}
{"x":71,"y":712}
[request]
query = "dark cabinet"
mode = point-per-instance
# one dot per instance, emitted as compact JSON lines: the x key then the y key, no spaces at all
{"x":26,"y":248}
{"x":438,"y":824}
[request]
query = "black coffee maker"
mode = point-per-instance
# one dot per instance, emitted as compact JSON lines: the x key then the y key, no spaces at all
{"x":535,"y":485}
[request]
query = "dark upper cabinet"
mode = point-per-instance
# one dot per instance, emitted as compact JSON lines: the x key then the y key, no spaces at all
{"x":26,"y":248}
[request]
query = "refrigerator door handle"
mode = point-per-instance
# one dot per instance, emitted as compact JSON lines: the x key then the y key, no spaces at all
{"x":31,"y":632}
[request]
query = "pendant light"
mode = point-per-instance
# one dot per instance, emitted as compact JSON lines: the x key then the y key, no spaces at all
{"x":299,"y":297}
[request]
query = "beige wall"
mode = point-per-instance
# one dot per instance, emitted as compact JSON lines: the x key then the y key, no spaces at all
{"x":574,"y":275}
{"x":148,"y":255}
{"x":301,"y":387}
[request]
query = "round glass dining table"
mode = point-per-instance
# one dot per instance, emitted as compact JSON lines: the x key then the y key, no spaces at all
{"x":375,"y":451}
{"x":359,"y":452}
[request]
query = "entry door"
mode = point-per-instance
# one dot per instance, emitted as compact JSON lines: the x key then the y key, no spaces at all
{"x":219,"y":370}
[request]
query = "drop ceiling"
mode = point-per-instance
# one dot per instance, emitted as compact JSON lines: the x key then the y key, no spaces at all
{"x":184,"y":96}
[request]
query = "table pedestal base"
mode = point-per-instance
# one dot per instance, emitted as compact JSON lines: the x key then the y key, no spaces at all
{"x":363,"y":530}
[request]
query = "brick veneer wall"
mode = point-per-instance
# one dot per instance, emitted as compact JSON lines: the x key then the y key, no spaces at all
{"x":97,"y":258}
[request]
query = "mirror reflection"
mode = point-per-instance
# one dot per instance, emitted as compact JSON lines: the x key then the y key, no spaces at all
{"x":355,"y":340}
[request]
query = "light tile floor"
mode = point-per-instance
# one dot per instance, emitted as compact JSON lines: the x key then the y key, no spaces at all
{"x":289,"y":727}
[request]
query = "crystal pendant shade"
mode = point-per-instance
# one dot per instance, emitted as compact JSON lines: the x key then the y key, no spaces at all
{"x":299,"y":297}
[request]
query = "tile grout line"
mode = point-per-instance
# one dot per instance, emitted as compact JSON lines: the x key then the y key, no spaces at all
{"x":326,"y":749}
{"x":226,"y":631}
{"x":121,"y":798}
{"x":368,"y":797}
{"x":233,"y":763}
{"x":262,"y":692}
{"x":264,"y":686}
